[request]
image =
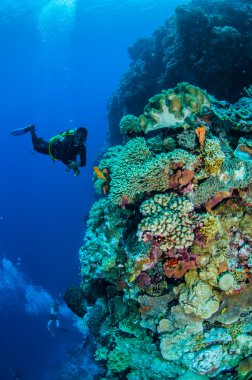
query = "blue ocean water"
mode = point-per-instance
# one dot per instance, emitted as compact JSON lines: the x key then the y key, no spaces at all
{"x":60,"y":61}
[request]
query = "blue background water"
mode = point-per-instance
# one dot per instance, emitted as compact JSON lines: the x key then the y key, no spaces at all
{"x":60,"y":61}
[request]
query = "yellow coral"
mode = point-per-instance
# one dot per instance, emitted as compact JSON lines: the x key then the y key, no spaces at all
{"x":211,"y":225}
{"x":213,"y":156}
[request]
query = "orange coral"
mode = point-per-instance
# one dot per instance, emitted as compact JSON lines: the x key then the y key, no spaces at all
{"x":177,"y":268}
{"x":181,"y":178}
{"x":201,"y":133}
{"x":99,"y":173}
{"x":144,"y":309}
{"x":104,"y":175}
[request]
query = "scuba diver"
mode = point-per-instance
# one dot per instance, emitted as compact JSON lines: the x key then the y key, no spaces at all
{"x":64,"y":147}
{"x":53,"y":320}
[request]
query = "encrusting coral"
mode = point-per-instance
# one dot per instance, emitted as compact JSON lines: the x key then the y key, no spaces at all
{"x":166,"y":263}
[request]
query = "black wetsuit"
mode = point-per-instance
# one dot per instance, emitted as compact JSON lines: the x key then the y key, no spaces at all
{"x":65,"y":149}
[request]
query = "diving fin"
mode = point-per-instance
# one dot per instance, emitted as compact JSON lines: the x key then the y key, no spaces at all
{"x":22,"y":131}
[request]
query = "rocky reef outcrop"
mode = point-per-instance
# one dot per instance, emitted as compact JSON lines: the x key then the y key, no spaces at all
{"x":166,"y":262}
{"x":207,"y":43}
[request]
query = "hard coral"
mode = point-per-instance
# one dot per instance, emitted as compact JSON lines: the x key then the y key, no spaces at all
{"x":177,"y":268}
{"x":216,"y":199}
{"x":197,"y":297}
{"x":167,"y":220}
{"x":213,"y":156}
{"x":180,"y":179}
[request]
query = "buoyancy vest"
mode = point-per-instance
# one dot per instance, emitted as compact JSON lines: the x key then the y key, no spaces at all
{"x":60,"y":137}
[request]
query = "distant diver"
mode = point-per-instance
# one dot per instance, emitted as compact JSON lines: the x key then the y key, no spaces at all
{"x":53,"y":320}
{"x":66,"y":146}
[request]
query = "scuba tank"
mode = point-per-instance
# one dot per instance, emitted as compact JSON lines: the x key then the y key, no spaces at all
{"x":59,"y":138}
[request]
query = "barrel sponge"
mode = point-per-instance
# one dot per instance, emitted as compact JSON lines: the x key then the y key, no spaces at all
{"x":213,"y":156}
{"x":167,"y":217}
{"x":198,"y":297}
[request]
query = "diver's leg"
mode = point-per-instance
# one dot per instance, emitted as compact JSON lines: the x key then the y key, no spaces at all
{"x":49,"y":324}
{"x":39,"y":144}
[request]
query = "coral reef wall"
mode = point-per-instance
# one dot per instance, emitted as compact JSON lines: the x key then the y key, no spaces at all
{"x":166,"y":262}
{"x":208,"y":43}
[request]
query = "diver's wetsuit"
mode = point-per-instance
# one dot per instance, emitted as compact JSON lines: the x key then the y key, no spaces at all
{"x":65,"y":150}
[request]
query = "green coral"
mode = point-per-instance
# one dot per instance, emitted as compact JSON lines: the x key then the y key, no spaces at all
{"x":140,"y":359}
{"x":169,"y":143}
{"x":130,"y":124}
{"x":156,"y":144}
{"x":137,"y":171}
{"x":187,"y":139}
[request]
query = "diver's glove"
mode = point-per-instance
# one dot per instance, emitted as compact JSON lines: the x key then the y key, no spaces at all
{"x":76,"y":172}
{"x":73,"y":165}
